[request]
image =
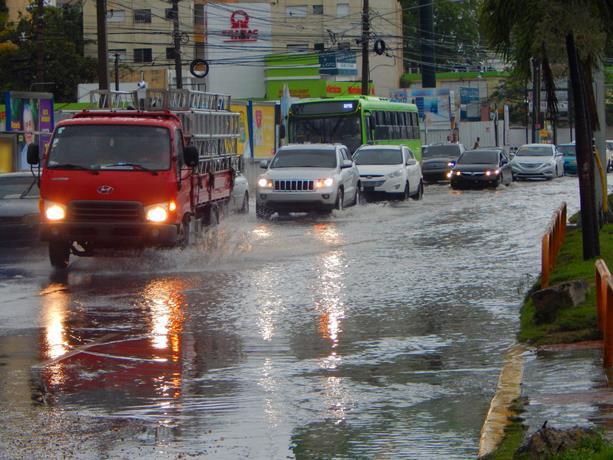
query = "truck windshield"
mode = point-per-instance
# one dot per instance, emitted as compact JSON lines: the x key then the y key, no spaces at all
{"x":327,"y":130}
{"x":110,"y":147}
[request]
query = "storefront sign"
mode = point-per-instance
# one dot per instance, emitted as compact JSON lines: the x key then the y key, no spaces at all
{"x":240,"y":31}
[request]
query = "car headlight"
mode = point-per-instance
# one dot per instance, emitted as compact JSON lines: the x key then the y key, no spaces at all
{"x":494,"y":172}
{"x":449,"y":174}
{"x":158,"y":213}
{"x":54,"y":211}
{"x":396,"y":173}
{"x":264,"y":182}
{"x":323,"y":183}
{"x":457,"y":173}
{"x":451,"y":164}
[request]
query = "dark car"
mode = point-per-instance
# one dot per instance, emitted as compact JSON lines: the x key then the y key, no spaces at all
{"x":570,"y":157}
{"x":436,"y":159}
{"x":19,"y":215}
{"x":481,"y":168}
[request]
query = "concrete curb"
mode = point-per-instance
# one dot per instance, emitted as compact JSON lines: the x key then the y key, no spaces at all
{"x":508,"y":389}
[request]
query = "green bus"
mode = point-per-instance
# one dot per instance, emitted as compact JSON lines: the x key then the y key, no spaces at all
{"x":354,"y":121}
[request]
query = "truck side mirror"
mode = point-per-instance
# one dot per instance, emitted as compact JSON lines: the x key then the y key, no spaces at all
{"x":191,"y":156}
{"x":282,"y":132}
{"x":33,"y":157}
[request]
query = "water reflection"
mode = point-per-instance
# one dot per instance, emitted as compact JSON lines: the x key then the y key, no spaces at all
{"x":127,"y":351}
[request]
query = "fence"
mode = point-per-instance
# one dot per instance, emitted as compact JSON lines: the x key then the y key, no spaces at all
{"x":552,"y":242}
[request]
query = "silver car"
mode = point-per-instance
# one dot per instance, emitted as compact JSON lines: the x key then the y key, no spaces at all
{"x":540,"y":161}
{"x":307,"y":177}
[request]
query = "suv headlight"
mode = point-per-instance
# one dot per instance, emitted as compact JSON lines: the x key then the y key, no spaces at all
{"x":394,"y":174}
{"x":265,"y":182}
{"x":323,"y":183}
{"x":158,"y":213}
{"x":54,"y":211}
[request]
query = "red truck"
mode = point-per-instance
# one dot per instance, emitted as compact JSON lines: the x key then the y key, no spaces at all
{"x":117,"y":179}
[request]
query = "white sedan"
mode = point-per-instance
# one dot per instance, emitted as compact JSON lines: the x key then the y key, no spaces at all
{"x":542,"y":161}
{"x":389,"y":170}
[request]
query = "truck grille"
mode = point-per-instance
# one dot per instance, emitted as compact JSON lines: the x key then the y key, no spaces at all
{"x":105,"y":211}
{"x":293,"y":185}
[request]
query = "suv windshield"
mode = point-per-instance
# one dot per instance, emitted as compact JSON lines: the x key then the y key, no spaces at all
{"x":534,"y":151}
{"x":440,"y":151}
{"x":110,"y":147}
{"x":479,"y":157}
{"x":378,"y":157}
{"x":304,"y":159}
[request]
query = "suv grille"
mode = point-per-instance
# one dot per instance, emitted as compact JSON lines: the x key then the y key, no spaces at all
{"x":293,"y":185}
{"x":100,"y":211}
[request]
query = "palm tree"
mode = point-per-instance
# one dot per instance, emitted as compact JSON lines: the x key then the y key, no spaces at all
{"x":569,"y":32}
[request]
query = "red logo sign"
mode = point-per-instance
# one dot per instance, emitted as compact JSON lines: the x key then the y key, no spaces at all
{"x":240,"y":31}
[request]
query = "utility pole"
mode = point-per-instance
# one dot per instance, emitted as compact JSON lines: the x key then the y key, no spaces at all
{"x":116,"y":71}
{"x":536,"y":97}
{"x":103,"y":70}
{"x":426,"y":19}
{"x":177,"y":41}
{"x":365,"y":50}
{"x":40,"y":48}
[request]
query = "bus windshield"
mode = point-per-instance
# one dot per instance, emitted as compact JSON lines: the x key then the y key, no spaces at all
{"x":129,"y":147}
{"x":327,"y":130}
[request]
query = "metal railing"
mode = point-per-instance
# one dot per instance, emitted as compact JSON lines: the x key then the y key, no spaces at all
{"x":551,"y":244}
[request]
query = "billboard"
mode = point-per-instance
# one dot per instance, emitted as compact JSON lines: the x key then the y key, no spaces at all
{"x":238,"y":36}
{"x":339,"y":62}
{"x":263,"y":129}
{"x":434,"y":104}
{"x":470,"y":104}
{"x":30,"y":117}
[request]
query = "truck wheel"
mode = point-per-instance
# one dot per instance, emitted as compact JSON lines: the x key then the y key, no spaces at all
{"x":59,"y":254}
{"x":186,"y":231}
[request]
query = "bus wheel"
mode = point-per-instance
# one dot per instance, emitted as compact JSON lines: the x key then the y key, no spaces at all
{"x":59,"y":254}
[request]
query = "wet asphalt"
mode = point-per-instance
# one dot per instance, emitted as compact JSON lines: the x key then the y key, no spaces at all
{"x":377,"y":332}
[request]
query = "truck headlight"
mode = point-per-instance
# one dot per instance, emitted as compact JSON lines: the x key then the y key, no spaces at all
{"x":159,"y":213}
{"x":55,"y":211}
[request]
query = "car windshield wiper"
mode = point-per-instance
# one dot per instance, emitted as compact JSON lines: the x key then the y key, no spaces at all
{"x":71,"y":166}
{"x":130,"y":165}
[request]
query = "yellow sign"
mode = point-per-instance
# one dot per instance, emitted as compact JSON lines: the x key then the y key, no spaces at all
{"x":243,"y":140}
{"x":263,"y":130}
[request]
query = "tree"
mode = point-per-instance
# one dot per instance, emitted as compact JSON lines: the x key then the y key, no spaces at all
{"x":457,"y":41}
{"x":65,"y":65}
{"x":574,"y":33}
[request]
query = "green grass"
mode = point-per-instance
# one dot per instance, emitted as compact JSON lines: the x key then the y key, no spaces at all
{"x":575,"y":323}
{"x":593,"y":447}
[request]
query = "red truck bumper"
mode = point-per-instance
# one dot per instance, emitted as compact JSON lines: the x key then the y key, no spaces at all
{"x":112,"y":235}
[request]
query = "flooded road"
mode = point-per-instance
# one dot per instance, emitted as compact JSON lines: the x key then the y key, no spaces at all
{"x":377,"y":332}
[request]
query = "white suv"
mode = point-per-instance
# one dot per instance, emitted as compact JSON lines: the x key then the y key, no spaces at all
{"x":307,"y":177}
{"x":389,"y":170}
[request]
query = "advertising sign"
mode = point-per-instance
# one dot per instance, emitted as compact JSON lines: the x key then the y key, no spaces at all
{"x":470,"y":105}
{"x":339,"y":62}
{"x":243,"y":140}
{"x":263,"y":124}
{"x":434,"y":104}
{"x":30,"y":116}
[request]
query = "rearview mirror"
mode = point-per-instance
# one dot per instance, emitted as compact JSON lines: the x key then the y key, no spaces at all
{"x":190,"y":155}
{"x":411,"y":161}
{"x":33,"y":157}
{"x":264,"y":164}
{"x":346,"y":164}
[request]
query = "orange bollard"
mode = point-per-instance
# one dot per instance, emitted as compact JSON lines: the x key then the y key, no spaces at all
{"x":602,"y":276}
{"x":608,"y":327}
{"x":545,"y":264}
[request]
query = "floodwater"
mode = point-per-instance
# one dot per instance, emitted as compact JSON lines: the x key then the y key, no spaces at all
{"x":377,"y":332}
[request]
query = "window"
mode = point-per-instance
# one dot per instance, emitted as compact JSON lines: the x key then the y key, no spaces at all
{"x":170,"y":53}
{"x":342,"y":10}
{"x":142,"y":16}
{"x":318,"y":9}
{"x":296,"y":11}
{"x":115,"y":15}
{"x":142,"y":55}
{"x":179,"y":150}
